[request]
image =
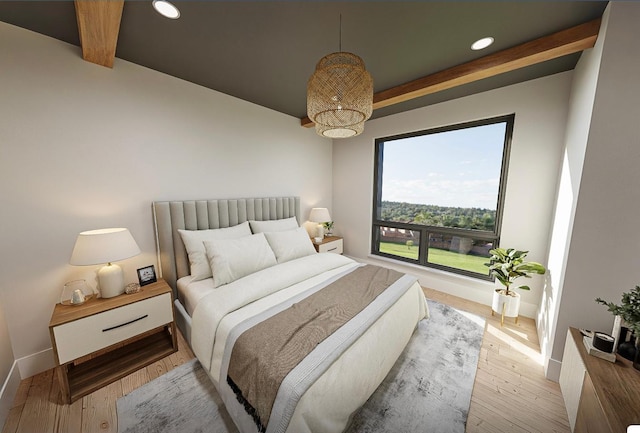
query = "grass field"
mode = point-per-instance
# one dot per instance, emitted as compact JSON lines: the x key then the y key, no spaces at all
{"x":439,"y":257}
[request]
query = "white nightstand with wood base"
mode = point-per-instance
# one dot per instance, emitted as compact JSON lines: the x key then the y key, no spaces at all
{"x":330,"y":244}
{"x":103,"y":340}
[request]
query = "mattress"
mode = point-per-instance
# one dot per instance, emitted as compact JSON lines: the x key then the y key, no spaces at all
{"x":190,"y":292}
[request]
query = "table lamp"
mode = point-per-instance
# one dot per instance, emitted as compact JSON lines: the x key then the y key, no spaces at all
{"x":96,"y":247}
{"x":320,"y":215}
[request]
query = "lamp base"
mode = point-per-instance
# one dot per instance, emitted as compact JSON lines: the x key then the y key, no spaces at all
{"x":111,"y":281}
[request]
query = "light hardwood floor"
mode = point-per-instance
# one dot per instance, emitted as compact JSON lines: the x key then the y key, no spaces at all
{"x":510,"y":393}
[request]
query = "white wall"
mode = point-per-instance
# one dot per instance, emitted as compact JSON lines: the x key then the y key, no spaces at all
{"x":602,"y":259}
{"x":9,"y":378}
{"x":6,"y":352}
{"x":85,"y":147}
{"x":581,"y":102}
{"x":540,"y":107}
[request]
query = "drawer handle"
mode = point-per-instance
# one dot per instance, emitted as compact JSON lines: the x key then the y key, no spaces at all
{"x":125,"y":324}
{"x":333,"y":249}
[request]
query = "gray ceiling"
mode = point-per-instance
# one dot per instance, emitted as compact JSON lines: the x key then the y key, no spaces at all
{"x":265,"y":51}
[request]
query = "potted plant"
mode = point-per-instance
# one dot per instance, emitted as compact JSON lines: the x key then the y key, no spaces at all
{"x":629,"y":311}
{"x":507,"y":265}
{"x":328,"y":226}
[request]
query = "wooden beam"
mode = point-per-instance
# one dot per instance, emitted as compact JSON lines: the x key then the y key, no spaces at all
{"x":98,"y":26}
{"x":549,"y":47}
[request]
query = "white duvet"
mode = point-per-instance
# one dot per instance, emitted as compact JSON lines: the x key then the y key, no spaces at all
{"x":349,"y":381}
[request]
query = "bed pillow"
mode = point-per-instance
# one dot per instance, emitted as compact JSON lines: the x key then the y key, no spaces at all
{"x":274,"y":225}
{"x":231,"y":259}
{"x":194,"y":243}
{"x":290,"y":244}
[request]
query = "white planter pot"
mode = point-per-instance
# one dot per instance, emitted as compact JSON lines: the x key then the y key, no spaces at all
{"x":511,"y":303}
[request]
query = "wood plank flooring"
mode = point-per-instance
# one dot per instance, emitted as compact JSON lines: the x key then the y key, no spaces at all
{"x":510,"y":393}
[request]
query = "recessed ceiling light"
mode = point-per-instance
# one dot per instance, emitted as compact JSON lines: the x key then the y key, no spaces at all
{"x":164,"y":8}
{"x":482,"y":43}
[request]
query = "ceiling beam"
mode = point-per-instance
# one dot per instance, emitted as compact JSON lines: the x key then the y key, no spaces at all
{"x":98,"y":27}
{"x":549,"y":47}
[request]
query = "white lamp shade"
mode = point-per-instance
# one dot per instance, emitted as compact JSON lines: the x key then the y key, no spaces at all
{"x":95,"y":247}
{"x":319,"y":215}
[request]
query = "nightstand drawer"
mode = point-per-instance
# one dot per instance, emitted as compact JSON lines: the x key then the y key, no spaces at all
{"x":331,"y":247}
{"x":89,"y":334}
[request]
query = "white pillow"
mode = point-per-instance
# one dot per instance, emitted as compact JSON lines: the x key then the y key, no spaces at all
{"x":193,"y":242}
{"x":274,"y":225}
{"x":290,"y":244}
{"x":232,"y":259}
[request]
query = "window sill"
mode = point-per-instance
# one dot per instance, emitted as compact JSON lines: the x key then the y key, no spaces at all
{"x":458,"y":278}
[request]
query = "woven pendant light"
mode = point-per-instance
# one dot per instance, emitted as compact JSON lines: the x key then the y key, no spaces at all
{"x":340,"y":95}
{"x":340,"y":131}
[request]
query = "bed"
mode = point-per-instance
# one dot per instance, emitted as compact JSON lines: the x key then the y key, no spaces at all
{"x":263,"y":281}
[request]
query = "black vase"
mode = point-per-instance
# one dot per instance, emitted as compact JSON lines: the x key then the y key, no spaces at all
{"x":627,"y":349}
{"x":636,"y":359}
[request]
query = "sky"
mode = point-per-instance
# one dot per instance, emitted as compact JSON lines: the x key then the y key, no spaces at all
{"x":459,"y":168}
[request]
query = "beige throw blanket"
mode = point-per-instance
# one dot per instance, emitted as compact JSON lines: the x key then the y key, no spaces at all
{"x":264,"y":354}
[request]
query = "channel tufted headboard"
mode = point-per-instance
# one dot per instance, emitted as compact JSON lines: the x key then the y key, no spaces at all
{"x":169,"y":216}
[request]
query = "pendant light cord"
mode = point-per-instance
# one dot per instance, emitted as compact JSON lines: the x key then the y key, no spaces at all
{"x":340,"y":35}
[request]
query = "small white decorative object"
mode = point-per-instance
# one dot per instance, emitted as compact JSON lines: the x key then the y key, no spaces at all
{"x":317,"y":240}
{"x":77,"y":297}
{"x":618,"y":323}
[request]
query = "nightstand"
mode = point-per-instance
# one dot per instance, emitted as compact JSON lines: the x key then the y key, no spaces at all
{"x":330,"y":244}
{"x":103,"y":340}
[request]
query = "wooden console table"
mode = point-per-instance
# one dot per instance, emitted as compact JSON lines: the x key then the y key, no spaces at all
{"x":600,"y":396}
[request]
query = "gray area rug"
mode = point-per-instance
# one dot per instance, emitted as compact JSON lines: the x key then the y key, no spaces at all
{"x":428,"y":389}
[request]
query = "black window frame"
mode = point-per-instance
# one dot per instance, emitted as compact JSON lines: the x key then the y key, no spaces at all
{"x":425,"y":230}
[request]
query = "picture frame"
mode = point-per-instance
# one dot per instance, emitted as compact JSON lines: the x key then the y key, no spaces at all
{"x":147,"y":275}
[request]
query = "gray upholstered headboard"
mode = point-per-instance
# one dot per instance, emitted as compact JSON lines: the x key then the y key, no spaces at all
{"x":169,"y":216}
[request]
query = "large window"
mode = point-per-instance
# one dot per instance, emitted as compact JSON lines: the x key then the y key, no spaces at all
{"x":438,"y":195}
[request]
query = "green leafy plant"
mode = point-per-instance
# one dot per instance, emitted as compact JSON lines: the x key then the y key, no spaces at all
{"x":328,"y":226}
{"x":629,"y":309}
{"x":507,"y":265}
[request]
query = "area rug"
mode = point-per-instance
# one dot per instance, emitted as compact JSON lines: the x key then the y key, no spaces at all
{"x":428,"y":389}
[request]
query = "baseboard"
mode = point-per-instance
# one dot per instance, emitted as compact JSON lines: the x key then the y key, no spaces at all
{"x":31,"y":365}
{"x":21,"y":369}
{"x":552,"y":369}
{"x":8,"y":392}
